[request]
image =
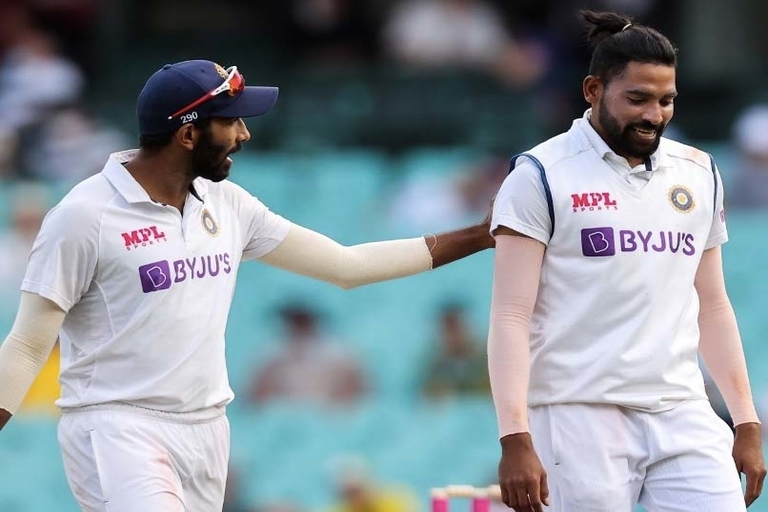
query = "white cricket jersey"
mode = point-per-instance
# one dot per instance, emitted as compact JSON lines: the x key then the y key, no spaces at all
{"x":147,"y":291}
{"x":616,"y":317}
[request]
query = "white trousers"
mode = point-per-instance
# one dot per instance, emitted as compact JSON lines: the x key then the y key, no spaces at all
{"x":124,"y":460}
{"x":606,"y":458}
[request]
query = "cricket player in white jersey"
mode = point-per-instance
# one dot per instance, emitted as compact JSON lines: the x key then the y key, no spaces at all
{"x":608,"y":282}
{"x":135,"y":271}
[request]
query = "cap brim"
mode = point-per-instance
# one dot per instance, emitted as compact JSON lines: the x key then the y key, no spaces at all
{"x":253,"y":101}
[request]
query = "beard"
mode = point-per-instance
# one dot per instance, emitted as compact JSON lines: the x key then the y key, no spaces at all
{"x":209,"y":160}
{"x":623,"y":140}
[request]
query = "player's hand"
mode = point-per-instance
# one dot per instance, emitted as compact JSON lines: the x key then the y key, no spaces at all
{"x":522,"y":478}
{"x":4,"y":417}
{"x":487,"y":224}
{"x":748,"y":455}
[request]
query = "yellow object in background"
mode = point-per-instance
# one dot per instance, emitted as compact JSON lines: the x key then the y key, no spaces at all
{"x":45,"y":390}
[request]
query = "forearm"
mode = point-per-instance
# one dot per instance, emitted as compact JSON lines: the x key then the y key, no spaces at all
{"x":720,"y":344}
{"x":454,"y":245}
{"x":315,"y":255}
{"x":509,"y":370}
{"x":721,"y":350}
{"x":26,"y":349}
{"x":312,"y":254}
{"x":515,"y":285}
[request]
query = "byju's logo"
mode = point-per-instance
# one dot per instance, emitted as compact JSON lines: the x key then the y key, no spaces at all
{"x":597,"y":242}
{"x":160,"y":275}
{"x":143,"y":237}
{"x":155,"y":276}
{"x":603,"y":241}
{"x":591,"y":201}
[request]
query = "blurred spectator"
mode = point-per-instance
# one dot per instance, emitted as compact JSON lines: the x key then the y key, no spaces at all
{"x":309,"y":367}
{"x":233,"y":493}
{"x":357,"y":491}
{"x":29,"y":202}
{"x":460,"y":366}
{"x":35,"y":81}
{"x":72,"y":146}
{"x":75,"y":25}
{"x":326,"y":31}
{"x":441,"y":202}
{"x":750,"y":140}
{"x":466,"y":34}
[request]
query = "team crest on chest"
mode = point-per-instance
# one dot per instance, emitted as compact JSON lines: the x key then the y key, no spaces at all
{"x":682,"y":199}
{"x":209,"y":224}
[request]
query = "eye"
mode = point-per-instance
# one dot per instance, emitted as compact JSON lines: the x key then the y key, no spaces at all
{"x":636,"y":101}
{"x":667,"y":103}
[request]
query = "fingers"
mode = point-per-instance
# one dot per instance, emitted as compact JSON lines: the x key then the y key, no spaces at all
{"x":522,"y":501}
{"x":544,"y":489}
{"x":505,"y":496}
{"x":755,"y":479}
{"x":528,"y":499}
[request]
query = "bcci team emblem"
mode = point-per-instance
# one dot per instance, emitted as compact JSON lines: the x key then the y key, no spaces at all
{"x":221,"y":71}
{"x":681,"y":199}
{"x":209,"y":224}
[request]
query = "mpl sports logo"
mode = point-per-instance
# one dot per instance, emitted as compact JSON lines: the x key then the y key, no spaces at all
{"x":143,"y":237}
{"x":161,"y":275}
{"x":593,"y":201}
{"x":604,"y":241}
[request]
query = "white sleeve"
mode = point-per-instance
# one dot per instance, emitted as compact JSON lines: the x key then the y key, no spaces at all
{"x":63,"y":259}
{"x":262,"y":229}
{"x":521,"y":203}
{"x":718,"y":234}
{"x":517,"y":268}
{"x":27,"y":348}
{"x":309,"y":253}
{"x":720,"y":344}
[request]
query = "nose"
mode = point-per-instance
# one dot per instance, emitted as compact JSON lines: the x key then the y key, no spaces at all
{"x":653,"y":114}
{"x":243,"y":135}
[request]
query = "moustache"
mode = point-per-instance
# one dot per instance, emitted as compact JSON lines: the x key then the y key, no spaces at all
{"x":647,"y":126}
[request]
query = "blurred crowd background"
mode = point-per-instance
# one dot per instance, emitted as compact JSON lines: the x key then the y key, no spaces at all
{"x":395,"y":118}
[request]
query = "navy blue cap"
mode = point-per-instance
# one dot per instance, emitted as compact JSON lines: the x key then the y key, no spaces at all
{"x":177,"y":85}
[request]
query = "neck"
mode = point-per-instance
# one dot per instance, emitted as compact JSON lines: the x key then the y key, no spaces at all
{"x":164,"y":176}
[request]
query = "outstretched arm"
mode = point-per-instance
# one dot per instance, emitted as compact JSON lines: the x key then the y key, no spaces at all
{"x":26,"y":349}
{"x":315,"y":255}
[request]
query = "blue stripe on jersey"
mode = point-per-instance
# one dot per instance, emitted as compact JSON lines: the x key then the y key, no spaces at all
{"x":714,"y":176}
{"x":543,"y":176}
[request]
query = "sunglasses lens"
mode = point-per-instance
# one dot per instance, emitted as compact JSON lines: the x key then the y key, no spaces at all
{"x":236,"y":83}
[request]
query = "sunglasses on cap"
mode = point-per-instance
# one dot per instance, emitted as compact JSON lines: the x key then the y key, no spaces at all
{"x":233,"y":84}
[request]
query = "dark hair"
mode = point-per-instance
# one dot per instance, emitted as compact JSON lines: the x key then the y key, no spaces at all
{"x":617,"y":41}
{"x":158,"y":141}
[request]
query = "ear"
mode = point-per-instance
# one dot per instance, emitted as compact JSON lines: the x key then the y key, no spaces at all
{"x":187,"y":135}
{"x":592,"y":89}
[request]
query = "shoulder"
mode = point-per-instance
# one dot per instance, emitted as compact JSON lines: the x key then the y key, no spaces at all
{"x":84,"y":206}
{"x":683,"y":154}
{"x":558,"y":150}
